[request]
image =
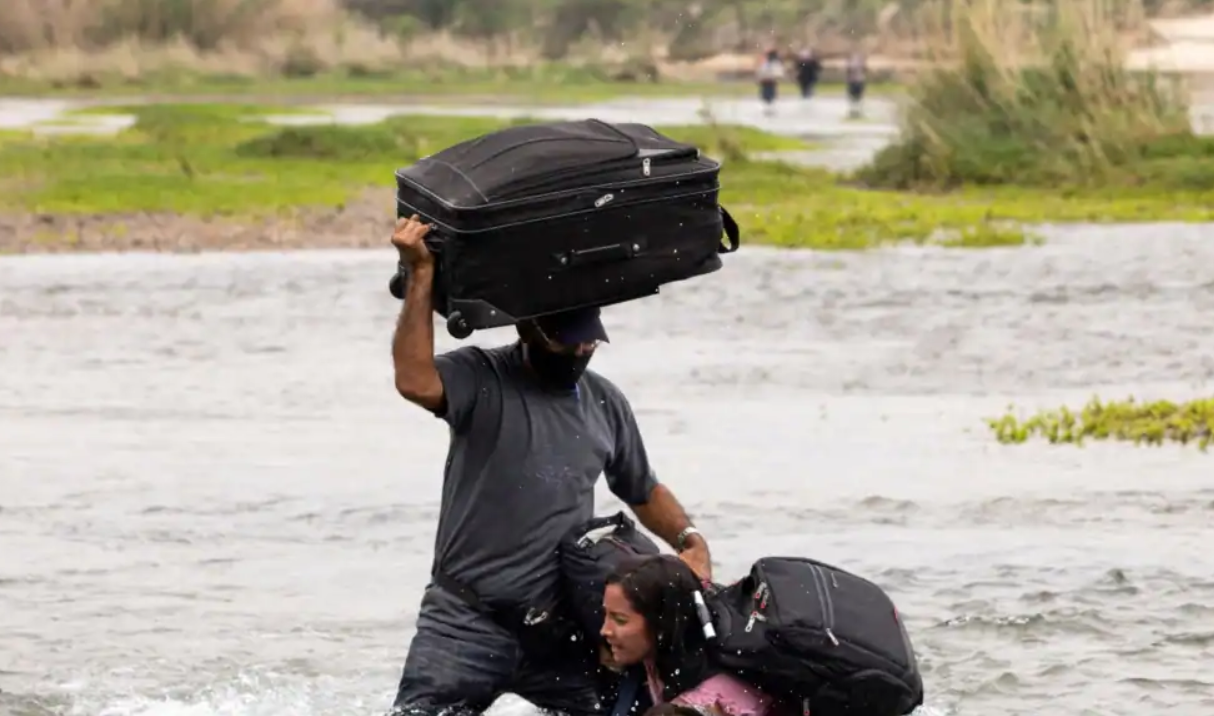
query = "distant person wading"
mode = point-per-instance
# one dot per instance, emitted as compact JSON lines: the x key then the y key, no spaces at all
{"x":769,"y":74}
{"x":809,"y":69}
{"x":857,"y":76}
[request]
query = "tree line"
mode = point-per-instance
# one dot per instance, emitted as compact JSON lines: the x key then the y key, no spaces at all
{"x":691,"y":29}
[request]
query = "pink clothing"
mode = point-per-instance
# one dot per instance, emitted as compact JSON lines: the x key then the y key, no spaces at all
{"x":727,"y":694}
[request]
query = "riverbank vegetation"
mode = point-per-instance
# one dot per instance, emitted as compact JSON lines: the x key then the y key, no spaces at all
{"x":228,"y":162}
{"x":1029,"y":117}
{"x":529,"y":48}
{"x":1129,"y":420}
{"x":328,"y":48}
{"x":1038,"y":94}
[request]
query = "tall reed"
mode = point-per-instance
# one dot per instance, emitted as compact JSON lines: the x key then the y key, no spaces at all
{"x":1028,"y":93}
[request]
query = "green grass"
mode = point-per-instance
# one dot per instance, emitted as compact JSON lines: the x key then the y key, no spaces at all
{"x":1128,"y":420}
{"x":547,"y":84}
{"x":208,"y":159}
{"x":223,"y":159}
{"x":794,"y":207}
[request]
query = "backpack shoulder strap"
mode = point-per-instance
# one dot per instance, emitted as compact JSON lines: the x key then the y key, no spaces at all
{"x":628,"y":693}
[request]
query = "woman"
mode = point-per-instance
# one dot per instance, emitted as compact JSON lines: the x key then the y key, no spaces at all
{"x":769,"y":73}
{"x":651,"y":620}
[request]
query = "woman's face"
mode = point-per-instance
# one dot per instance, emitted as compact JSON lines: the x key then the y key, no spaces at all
{"x":624,"y":629}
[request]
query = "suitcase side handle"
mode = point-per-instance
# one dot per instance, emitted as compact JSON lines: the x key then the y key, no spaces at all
{"x":599,"y":254}
{"x":731,"y":233}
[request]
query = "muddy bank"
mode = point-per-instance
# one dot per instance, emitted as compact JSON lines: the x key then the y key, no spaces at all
{"x":365,"y":222}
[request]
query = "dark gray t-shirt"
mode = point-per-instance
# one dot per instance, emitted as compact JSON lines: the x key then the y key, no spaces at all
{"x":522,"y":467}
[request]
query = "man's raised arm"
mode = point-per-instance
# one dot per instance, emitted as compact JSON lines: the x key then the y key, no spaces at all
{"x":417,"y":379}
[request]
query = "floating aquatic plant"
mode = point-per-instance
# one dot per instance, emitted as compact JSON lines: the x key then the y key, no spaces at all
{"x":1150,"y":423}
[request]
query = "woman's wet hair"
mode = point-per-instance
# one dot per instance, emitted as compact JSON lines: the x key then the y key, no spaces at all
{"x":661,"y":589}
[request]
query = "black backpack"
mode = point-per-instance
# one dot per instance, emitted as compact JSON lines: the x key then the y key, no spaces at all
{"x":587,"y":556}
{"x":818,"y":637}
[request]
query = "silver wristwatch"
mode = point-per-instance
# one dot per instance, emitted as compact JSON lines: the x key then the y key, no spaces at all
{"x":681,"y":540}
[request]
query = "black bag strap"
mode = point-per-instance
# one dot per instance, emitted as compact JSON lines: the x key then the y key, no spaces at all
{"x":457,"y":588}
{"x":731,"y":233}
{"x":619,"y":519}
{"x":627,"y":697}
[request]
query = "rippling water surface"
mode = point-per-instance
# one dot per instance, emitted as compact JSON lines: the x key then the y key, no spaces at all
{"x":212,"y":502}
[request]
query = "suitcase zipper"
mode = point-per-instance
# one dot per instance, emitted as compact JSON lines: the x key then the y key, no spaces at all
{"x":672,"y":178}
{"x":498,"y":227}
{"x":612,"y":166}
{"x":828,"y":605}
{"x":542,"y":140}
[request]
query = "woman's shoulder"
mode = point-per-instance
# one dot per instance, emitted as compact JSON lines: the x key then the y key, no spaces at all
{"x":729,"y":695}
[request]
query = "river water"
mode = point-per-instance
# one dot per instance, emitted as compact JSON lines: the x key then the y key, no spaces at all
{"x":213,"y":504}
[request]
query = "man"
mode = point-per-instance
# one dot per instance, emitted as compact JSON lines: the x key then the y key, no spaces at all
{"x":809,"y":67}
{"x":531,"y":430}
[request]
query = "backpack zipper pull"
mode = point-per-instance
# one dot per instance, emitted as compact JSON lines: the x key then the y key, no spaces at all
{"x":645,"y":166}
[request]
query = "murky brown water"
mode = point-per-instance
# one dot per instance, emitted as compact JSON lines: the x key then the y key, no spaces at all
{"x":212,"y":503}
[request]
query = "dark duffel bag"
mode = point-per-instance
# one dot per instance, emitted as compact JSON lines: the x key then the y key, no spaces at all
{"x":542,"y":218}
{"x":588,"y":554}
{"x":817,"y":637}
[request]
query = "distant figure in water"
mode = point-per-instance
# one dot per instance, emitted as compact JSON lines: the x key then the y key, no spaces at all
{"x":769,"y":74}
{"x":809,"y":68}
{"x":857,"y":75}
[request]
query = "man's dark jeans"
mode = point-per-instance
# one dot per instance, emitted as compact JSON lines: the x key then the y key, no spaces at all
{"x":460,"y":661}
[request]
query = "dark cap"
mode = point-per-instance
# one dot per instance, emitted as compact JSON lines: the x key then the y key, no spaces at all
{"x":581,"y":325}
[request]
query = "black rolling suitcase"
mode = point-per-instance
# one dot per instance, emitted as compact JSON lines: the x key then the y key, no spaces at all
{"x":542,"y":218}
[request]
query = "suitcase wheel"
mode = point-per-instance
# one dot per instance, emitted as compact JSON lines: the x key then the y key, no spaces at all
{"x":396,"y":286}
{"x":457,"y":326}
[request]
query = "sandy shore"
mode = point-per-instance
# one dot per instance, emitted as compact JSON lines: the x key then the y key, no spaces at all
{"x":364,"y":222}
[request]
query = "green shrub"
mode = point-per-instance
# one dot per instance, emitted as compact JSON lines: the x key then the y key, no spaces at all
{"x":1036,"y":94}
